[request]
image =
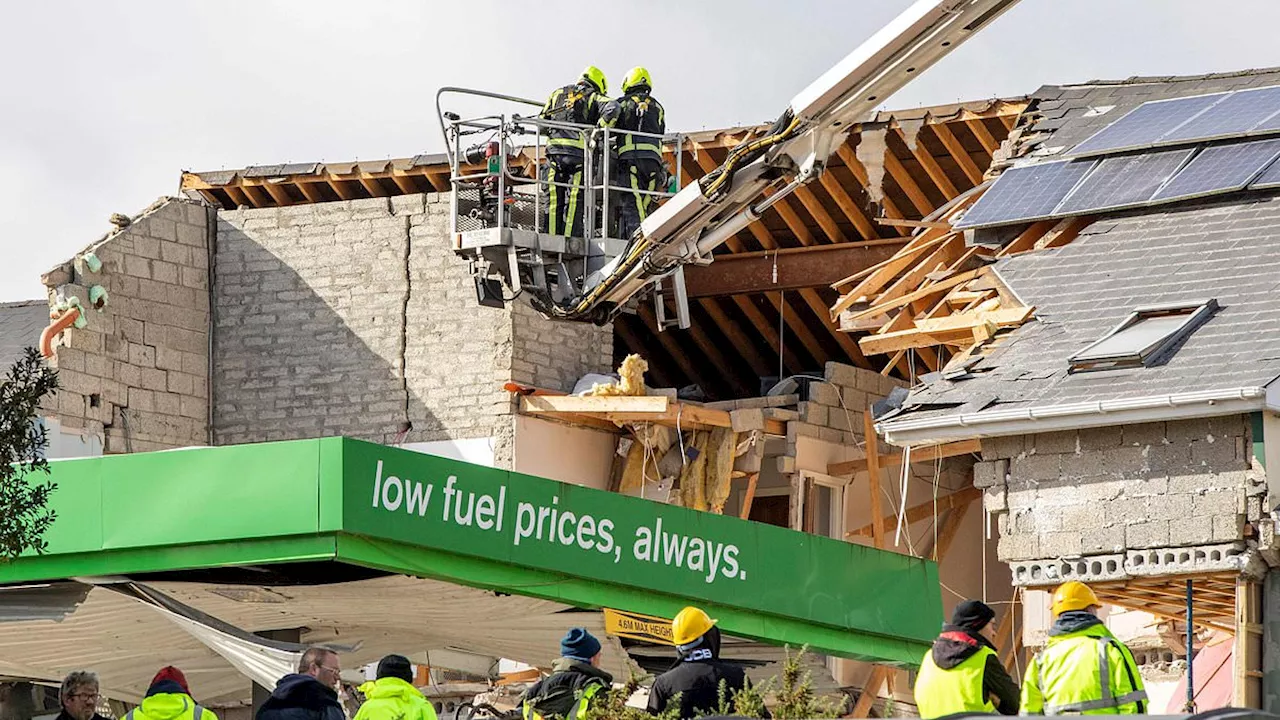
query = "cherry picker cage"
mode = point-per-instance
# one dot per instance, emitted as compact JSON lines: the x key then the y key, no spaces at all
{"x":500,"y":203}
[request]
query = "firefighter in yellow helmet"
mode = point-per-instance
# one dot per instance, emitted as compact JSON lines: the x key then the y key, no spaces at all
{"x":1083,"y":668}
{"x":639,"y":165}
{"x":581,"y":104}
{"x":962,"y":673}
{"x":695,"y":678}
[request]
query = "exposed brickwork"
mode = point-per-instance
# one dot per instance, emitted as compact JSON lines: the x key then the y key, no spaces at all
{"x":1110,"y":491}
{"x":137,"y":374}
{"x":833,"y":408}
{"x":351,"y":317}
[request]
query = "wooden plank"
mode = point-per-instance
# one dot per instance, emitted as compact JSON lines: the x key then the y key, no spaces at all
{"x":948,"y":252}
{"x":957,"y":330}
{"x":1027,"y":239}
{"x":846,"y":343}
{"x":873,"y":477}
{"x":373,"y":187}
{"x":880,"y":275}
{"x":793,"y":222}
{"x":924,"y":292}
{"x":718,"y":360}
{"x":1246,"y":684}
{"x":1063,"y":233}
{"x":979,"y":129}
{"x":796,"y":327}
{"x":923,"y":511}
{"x":958,"y":152}
{"x":736,"y":337}
{"x":870,"y":691}
{"x":258,"y":197}
{"x":749,"y":496}
{"x":342,"y":189}
{"x":405,"y":184}
{"x":848,"y":206}
{"x":928,"y":454}
{"x":947,"y":533}
{"x":310,"y":191}
{"x":895,"y":222}
{"x":931,"y":167}
{"x":908,"y":184}
{"x":768,"y":331}
{"x":594,"y":404}
{"x":277,"y":193}
{"x":814,"y":206}
{"x":237,"y":196}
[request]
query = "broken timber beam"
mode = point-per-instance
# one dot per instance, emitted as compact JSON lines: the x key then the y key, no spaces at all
{"x":815,"y":266}
{"x":929,"y":454}
{"x":636,"y":409}
{"x":960,"y":330}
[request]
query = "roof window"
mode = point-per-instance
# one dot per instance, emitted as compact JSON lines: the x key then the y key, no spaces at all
{"x":1145,"y":338}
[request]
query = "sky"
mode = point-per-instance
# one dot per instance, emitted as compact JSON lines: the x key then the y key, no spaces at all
{"x":107,"y":101}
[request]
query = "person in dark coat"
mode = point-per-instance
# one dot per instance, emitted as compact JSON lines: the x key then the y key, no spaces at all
{"x":79,"y":696}
{"x":698,"y":671}
{"x":310,"y":693}
{"x":575,"y":678}
{"x":962,"y":639}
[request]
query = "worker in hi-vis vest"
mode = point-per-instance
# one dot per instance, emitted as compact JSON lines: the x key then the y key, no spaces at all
{"x":639,"y":165}
{"x":580,"y":104}
{"x":1083,"y":668}
{"x":962,"y":673}
{"x":575,"y":679}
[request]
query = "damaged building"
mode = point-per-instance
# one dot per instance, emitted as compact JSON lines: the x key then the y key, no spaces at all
{"x":909,"y":297}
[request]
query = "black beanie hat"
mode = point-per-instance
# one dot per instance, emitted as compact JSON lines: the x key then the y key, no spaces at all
{"x":972,"y":615}
{"x":396,"y":666}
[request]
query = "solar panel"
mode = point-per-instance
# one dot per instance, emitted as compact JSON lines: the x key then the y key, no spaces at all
{"x":1268,"y":179}
{"x":1025,"y":193}
{"x":1145,"y":124}
{"x":1221,"y":168}
{"x":1123,"y":181}
{"x":1234,"y":116}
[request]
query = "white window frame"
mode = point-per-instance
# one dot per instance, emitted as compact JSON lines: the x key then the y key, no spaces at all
{"x":837,"y":485}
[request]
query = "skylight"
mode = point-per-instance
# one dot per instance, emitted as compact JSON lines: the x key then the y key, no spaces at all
{"x":1144,"y":338}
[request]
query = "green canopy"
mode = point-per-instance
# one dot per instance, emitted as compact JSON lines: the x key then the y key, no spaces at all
{"x":337,"y":499}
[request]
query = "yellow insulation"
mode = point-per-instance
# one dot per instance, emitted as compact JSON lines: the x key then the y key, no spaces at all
{"x":631,"y":372}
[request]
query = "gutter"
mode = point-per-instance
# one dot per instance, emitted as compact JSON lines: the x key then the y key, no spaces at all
{"x":1051,"y":418}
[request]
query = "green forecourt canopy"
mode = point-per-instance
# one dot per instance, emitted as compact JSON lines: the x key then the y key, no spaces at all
{"x":337,"y":499}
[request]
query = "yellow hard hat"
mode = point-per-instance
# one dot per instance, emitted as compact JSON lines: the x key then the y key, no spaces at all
{"x":1073,"y":595}
{"x":636,"y":77}
{"x":595,"y":76}
{"x":690,"y":625}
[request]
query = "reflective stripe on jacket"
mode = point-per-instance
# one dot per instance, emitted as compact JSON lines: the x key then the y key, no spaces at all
{"x":169,"y":706}
{"x":577,"y":712}
{"x":944,"y":692}
{"x":1087,"y":672}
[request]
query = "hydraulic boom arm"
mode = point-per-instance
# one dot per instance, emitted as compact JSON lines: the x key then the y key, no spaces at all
{"x":794,"y":152}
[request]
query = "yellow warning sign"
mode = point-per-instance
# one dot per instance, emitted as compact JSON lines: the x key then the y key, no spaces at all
{"x":638,"y":627}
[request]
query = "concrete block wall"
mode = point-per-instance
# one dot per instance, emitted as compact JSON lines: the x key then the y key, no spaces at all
{"x":137,"y":375}
{"x":1128,"y":497}
{"x":354,"y":317}
{"x":833,"y":409}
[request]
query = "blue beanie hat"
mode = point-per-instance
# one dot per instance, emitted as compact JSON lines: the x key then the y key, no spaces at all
{"x":579,"y":644}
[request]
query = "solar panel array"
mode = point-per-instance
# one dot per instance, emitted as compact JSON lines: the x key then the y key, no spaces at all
{"x":1066,"y":188}
{"x":1220,"y":168}
{"x":1188,"y":120}
{"x":1124,"y":181}
{"x":1026,"y":192}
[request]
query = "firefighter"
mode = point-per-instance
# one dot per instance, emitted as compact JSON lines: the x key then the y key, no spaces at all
{"x":575,"y":679}
{"x":1083,"y":668}
{"x":639,"y":165}
{"x":579,"y":103}
{"x":961,"y":673}
{"x":694,"y":682}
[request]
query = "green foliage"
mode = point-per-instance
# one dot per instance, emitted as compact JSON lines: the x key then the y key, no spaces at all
{"x":23,"y":513}
{"x":794,"y":699}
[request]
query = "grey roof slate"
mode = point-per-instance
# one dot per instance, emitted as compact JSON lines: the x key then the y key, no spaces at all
{"x":20,"y":326}
{"x":1228,"y":250}
{"x":1061,"y":116}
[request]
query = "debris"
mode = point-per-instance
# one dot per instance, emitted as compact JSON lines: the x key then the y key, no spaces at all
{"x":631,"y":379}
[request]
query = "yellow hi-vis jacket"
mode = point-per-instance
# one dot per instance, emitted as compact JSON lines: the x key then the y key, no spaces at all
{"x":391,"y":698}
{"x":577,"y":712}
{"x":1088,"y":672}
{"x":945,"y":692}
{"x":169,"y":706}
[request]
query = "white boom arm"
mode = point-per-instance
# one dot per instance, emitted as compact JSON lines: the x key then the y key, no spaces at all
{"x":705,"y":214}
